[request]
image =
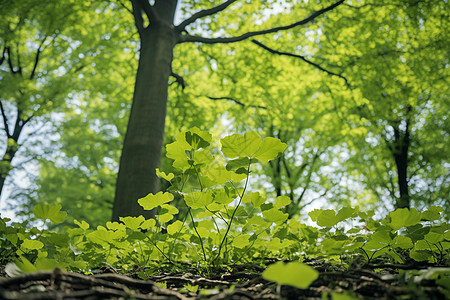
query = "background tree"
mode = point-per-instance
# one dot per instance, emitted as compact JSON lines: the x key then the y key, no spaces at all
{"x":399,"y":68}
{"x":79,"y":170}
{"x":394,"y":75}
{"x":38,"y":68}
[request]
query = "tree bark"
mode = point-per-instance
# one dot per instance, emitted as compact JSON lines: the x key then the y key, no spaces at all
{"x":142,"y":147}
{"x":400,"y":153}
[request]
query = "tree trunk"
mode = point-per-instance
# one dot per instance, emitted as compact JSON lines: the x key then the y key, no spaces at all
{"x":141,"y":153}
{"x":5,"y":166}
{"x":400,"y":153}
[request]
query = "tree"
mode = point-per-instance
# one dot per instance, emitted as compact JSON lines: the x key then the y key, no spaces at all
{"x":38,"y":68}
{"x":143,"y":142}
{"x":392,"y":105}
{"x":399,"y":76}
{"x":78,"y":169}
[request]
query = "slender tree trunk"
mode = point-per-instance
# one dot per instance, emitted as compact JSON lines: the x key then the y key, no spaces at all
{"x":141,"y":153}
{"x":276,"y":175}
{"x":2,"y":182}
{"x":5,"y":165}
{"x":400,"y":153}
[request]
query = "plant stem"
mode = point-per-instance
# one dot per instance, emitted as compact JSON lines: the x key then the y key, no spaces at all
{"x":234,"y":212}
{"x":165,"y":256}
{"x":199,"y":237}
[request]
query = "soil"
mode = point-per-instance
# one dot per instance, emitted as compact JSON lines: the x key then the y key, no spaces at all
{"x":232,"y":282}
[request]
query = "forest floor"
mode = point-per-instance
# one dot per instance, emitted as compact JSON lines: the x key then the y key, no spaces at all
{"x":234,"y":282}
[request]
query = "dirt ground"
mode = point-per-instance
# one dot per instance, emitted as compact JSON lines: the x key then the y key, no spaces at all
{"x":242,"y":282}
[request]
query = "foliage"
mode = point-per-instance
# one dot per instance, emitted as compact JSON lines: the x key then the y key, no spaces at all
{"x":75,"y":153}
{"x":338,"y":131}
{"x":47,"y":55}
{"x":393,"y":56}
{"x":222,"y":223}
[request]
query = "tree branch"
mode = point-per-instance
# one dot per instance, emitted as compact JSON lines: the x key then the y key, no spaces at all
{"x":124,"y":6}
{"x":138,"y":20}
{"x":179,"y":79}
{"x":314,"y":199}
{"x":149,"y":10}
{"x":191,"y":38}
{"x":19,"y":125}
{"x":2,"y":59}
{"x":308,"y":178}
{"x":19,"y":70}
{"x":36,"y":60}
{"x":10,"y":64}
{"x":203,"y":13}
{"x":235,"y":101}
{"x":5,"y":120}
{"x":302,"y":58}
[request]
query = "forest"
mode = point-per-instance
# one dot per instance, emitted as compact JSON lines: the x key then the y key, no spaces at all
{"x":224,"y":149}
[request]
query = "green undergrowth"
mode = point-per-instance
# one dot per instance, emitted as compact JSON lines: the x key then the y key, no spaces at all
{"x":217,"y":222}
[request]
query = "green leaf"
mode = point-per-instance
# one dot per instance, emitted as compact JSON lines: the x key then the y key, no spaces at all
{"x":163,"y":175}
{"x":396,"y":257}
{"x":241,"y":241}
{"x":381,"y":236}
{"x":58,"y":239}
{"x":25,"y":265}
{"x":83,"y":224}
{"x":221,"y":197}
{"x":197,"y":138}
{"x":447,"y":235}
{"x":403,"y":217}
{"x":274,"y":215}
{"x":132,"y":222}
{"x":270,"y":148}
{"x":402,"y":242}
{"x":293,"y":274}
{"x":147,"y":224}
{"x":198,"y":199}
{"x":417,"y":232}
{"x":329,"y":218}
{"x":256,"y":199}
{"x":218,"y":174}
{"x":422,"y":245}
{"x":51,"y":212}
{"x":181,"y":151}
{"x":174,"y":227}
{"x":237,"y":145}
{"x":239,"y":165}
{"x":420,"y":255}
{"x":44,"y":263}
{"x":345,"y":213}
{"x":151,"y":201}
{"x":433,"y":237}
{"x":166,"y":213}
{"x":191,"y":288}
{"x":32,"y":244}
{"x":282,"y":201}
{"x":115,"y":226}
{"x":433,"y":213}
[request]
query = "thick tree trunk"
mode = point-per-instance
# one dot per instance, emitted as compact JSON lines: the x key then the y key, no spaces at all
{"x":141,"y":153}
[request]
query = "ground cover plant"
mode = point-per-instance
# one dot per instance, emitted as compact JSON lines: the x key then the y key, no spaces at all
{"x":211,"y":236}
